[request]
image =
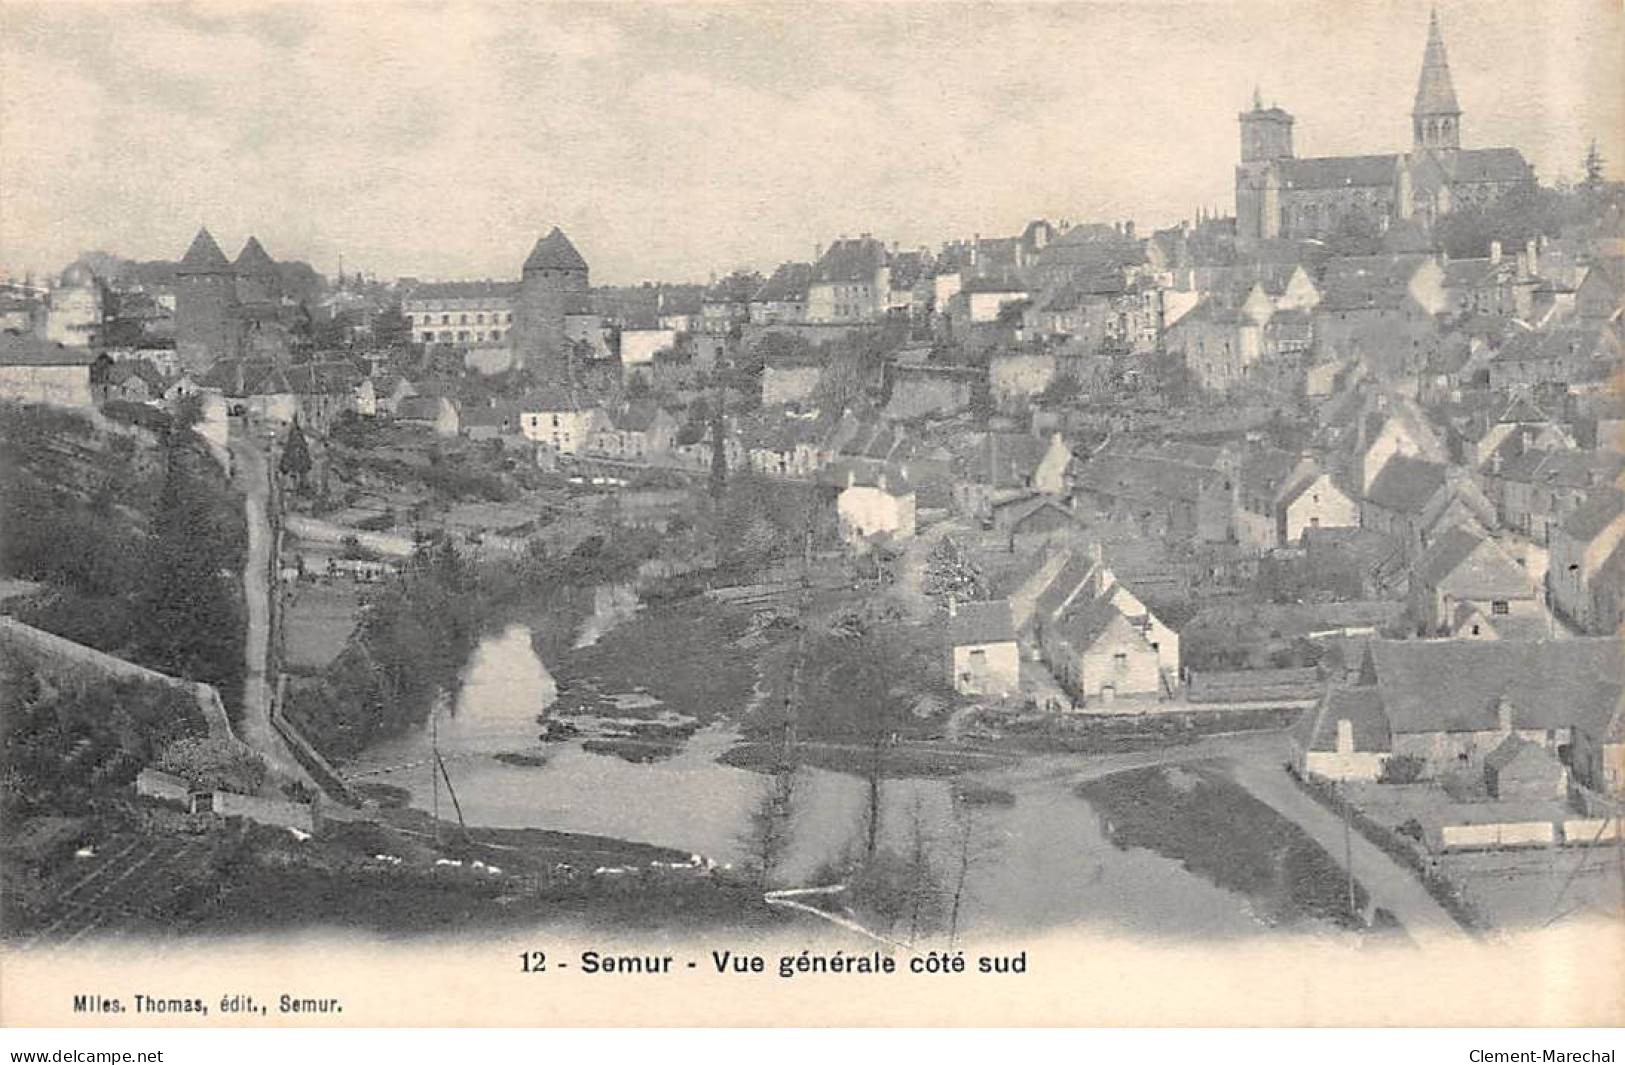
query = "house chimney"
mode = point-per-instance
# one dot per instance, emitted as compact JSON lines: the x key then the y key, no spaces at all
{"x":953,"y":605}
{"x":1345,"y":736}
{"x":1531,"y":258}
{"x":1495,"y":251}
{"x":851,"y":477}
{"x":1503,"y":714}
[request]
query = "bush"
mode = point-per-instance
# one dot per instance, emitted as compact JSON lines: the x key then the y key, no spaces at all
{"x":1402,"y":769}
{"x":210,"y":764}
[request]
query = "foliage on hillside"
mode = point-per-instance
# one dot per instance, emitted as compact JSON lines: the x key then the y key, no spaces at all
{"x":63,"y":745}
{"x":140,"y":547}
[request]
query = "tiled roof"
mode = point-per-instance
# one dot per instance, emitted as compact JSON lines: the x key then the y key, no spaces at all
{"x":855,"y":260}
{"x":464,"y":290}
{"x":1406,"y":484}
{"x":1366,"y":281}
{"x":1468,"y":166}
{"x":1599,"y":511}
{"x":254,"y":260}
{"x":1473,"y":567}
{"x":788,"y":284}
{"x":1338,"y":171}
{"x":974,"y":623}
{"x":1004,"y":460}
{"x":1457,"y":685}
{"x":555,"y":252}
{"x":204,"y":256}
{"x":1361,"y":707}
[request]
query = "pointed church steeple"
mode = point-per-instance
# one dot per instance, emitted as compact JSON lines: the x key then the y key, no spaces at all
{"x":1436,"y":118}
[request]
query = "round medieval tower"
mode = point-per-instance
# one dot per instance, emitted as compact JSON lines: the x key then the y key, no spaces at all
{"x":206,"y":318}
{"x":552,"y":284}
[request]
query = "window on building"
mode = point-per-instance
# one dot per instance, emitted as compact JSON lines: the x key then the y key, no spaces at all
{"x":445,"y":334}
{"x":445,"y":319}
{"x":479,"y":319}
{"x":428,"y":338}
{"x":1120,"y":660}
{"x":496,"y":334}
{"x":462,"y":334}
{"x":1500,"y":606}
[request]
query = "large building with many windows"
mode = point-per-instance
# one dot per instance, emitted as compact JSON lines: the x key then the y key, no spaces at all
{"x":503,"y":323}
{"x":1279,"y":195}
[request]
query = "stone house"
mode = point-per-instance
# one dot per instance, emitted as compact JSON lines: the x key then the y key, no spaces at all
{"x":1519,"y":770}
{"x":1579,"y":548}
{"x":1099,"y":639}
{"x":985,"y":659}
{"x":875,"y":500}
{"x":36,"y":371}
{"x":1450,"y":703}
{"x":1463,"y":568}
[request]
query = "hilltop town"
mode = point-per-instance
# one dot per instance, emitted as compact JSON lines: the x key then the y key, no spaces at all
{"x":1314,"y":510}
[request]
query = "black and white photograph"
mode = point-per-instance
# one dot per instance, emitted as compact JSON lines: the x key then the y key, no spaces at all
{"x":874,"y":513}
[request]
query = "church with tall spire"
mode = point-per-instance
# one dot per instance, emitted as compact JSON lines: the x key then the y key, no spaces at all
{"x":1280,"y":195}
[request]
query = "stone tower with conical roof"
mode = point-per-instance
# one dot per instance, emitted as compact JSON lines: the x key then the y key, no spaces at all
{"x":207,"y":323}
{"x":552,"y":284}
{"x":1436,"y":118}
{"x":257,"y":277}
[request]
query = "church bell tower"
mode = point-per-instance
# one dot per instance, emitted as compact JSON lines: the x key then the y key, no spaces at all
{"x":1436,"y":118}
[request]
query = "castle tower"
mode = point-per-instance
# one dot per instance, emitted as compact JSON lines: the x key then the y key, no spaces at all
{"x":257,"y":277}
{"x":1266,"y":137}
{"x":1436,"y":118}
{"x":206,"y":318}
{"x":552,"y":284}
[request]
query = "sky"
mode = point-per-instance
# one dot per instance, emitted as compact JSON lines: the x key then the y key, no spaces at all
{"x":676,"y":140}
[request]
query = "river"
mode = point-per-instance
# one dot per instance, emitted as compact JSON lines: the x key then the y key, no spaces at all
{"x":1043,"y":861}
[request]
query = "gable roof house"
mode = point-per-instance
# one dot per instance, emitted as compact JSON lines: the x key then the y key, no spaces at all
{"x":1451,"y":703}
{"x":1001,"y":467}
{"x":1466,"y":585}
{"x":1099,"y":639}
{"x":1414,"y":499}
{"x":875,"y":501}
{"x":850,"y":283}
{"x":1279,"y":494}
{"x":984,"y":658}
{"x":783,"y":297}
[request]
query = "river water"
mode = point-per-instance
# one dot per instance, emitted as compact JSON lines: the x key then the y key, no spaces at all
{"x":1042,"y":861}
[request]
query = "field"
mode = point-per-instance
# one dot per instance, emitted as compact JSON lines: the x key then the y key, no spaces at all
{"x":317,"y":623}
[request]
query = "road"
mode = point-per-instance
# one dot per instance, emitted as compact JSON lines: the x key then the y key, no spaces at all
{"x":1390,"y":885}
{"x":255,"y":727}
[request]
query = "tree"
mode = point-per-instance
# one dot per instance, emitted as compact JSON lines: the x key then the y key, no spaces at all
{"x":719,"y":453}
{"x":190,"y":598}
{"x":950,"y":574}
{"x":295,"y":461}
{"x":767,"y":836}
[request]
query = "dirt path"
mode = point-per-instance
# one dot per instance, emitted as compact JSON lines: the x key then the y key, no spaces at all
{"x":1390,"y":885}
{"x":255,"y":727}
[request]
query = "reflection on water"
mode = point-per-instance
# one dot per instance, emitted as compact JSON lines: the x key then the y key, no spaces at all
{"x":1042,"y":861}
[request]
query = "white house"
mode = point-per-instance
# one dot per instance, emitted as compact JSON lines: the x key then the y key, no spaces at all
{"x":982,"y":644}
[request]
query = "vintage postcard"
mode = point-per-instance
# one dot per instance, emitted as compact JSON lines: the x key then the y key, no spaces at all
{"x":1103,"y":513}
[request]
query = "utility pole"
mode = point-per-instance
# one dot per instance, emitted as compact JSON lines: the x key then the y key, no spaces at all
{"x":434,"y":765}
{"x":1348,"y":847}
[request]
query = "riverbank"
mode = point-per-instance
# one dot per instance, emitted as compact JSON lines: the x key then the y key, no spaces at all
{"x":143,"y":870}
{"x":1197,"y":815}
